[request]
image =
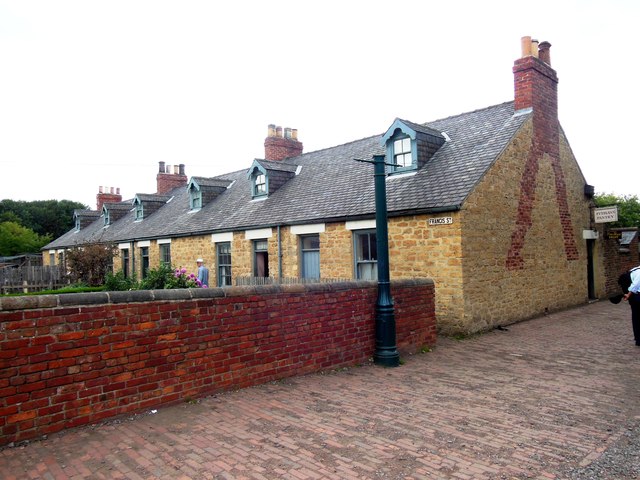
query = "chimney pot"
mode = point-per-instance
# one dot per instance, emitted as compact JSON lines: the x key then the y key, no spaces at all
{"x":118,"y":191}
{"x":544,"y":52}
{"x":534,"y":48}
{"x":278,"y":131}
{"x":287,"y":132}
{"x":294,"y":133}
{"x":181,"y":166}
{"x":161,"y":170}
{"x":100,"y":189}
{"x":176,"y":169}
{"x":111,"y":190}
{"x":271,"y":130}
{"x":525,"y":46}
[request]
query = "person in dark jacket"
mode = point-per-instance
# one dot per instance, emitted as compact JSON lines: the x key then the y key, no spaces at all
{"x":632,"y":295}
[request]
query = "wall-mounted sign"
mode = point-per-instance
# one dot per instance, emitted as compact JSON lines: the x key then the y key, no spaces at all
{"x":605,"y":214}
{"x":441,"y":221}
{"x":614,"y":235}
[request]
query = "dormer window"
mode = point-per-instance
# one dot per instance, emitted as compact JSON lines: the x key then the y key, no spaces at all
{"x":203,"y":190}
{"x":106,"y":216}
{"x":267,"y":177}
{"x":410,"y":145}
{"x":402,"y":153}
{"x":259,"y":180}
{"x":195,"y":197}
{"x":400,"y":143}
{"x":84,"y":218}
{"x":260,"y":185}
{"x":139,"y":210}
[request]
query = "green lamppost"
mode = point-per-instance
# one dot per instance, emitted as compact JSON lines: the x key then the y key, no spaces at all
{"x":385,"y":353}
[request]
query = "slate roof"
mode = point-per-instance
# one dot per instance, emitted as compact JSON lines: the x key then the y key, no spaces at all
{"x":424,"y":128}
{"x":120,"y":206}
{"x":86,"y":213}
{"x":211,"y":182}
{"x":331,"y":185}
{"x":277,"y":166}
{"x":152,"y":197}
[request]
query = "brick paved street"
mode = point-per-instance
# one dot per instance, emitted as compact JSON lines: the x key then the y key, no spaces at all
{"x":548,"y":395}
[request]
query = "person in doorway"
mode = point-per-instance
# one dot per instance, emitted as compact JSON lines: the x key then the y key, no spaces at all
{"x":203,"y":273}
{"x":632,"y":295}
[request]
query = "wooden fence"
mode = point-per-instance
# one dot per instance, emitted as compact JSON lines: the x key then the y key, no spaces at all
{"x":31,"y":279}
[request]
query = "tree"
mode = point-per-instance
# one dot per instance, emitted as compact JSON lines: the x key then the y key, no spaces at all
{"x":628,"y":208}
{"x":16,"y":239}
{"x":89,"y":264}
{"x":44,"y":217}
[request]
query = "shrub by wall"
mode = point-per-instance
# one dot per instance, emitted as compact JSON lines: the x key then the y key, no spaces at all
{"x":70,"y":360}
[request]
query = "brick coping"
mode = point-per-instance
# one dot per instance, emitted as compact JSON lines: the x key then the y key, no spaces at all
{"x":29,"y":302}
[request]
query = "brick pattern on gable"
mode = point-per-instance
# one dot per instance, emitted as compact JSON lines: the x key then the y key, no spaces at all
{"x":536,"y":87}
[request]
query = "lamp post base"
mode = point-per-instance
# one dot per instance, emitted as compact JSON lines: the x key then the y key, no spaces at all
{"x":385,"y":353}
{"x":387,"y":359}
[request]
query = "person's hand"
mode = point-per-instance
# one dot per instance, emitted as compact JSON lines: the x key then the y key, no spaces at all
{"x":626,"y":296}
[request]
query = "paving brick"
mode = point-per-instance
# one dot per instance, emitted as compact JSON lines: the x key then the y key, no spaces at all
{"x":528,"y":402}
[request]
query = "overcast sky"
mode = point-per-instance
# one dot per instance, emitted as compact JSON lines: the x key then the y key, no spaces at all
{"x":96,"y":93}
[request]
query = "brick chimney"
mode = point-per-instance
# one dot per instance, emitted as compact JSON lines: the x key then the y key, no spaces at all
{"x":536,"y":83}
{"x":278,"y":147}
{"x":167,"y":181}
{"x":107,"y":195}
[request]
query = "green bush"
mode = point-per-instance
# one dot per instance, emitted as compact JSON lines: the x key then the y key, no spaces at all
{"x":163,"y":277}
{"x":158,"y":278}
{"x":117,"y":282}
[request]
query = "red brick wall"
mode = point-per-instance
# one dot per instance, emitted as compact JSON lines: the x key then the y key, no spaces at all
{"x":165,"y":182}
{"x":279,"y":148}
{"x":102,"y":198}
{"x":70,"y":360}
{"x":617,"y":260}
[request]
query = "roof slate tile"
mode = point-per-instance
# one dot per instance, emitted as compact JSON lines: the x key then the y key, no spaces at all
{"x":331,"y":185}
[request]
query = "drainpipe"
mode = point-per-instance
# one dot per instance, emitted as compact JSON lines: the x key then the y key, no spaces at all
{"x":133,"y":259}
{"x":279,"y":254}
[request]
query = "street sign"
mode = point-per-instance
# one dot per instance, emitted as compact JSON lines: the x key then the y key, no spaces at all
{"x":441,"y":221}
{"x":605,"y":214}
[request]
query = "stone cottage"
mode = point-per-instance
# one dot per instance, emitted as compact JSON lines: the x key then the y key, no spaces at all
{"x":490,"y":204}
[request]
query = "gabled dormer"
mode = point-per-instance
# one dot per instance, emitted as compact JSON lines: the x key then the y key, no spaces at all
{"x":145,"y":204}
{"x":266,"y":177}
{"x":203,"y":190}
{"x":410,"y":145}
{"x":83,"y":218}
{"x":114,"y":211}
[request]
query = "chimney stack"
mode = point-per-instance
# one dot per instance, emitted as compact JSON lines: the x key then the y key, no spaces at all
{"x":278,"y":147}
{"x":107,"y":195}
{"x":536,"y":83}
{"x":167,"y":181}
